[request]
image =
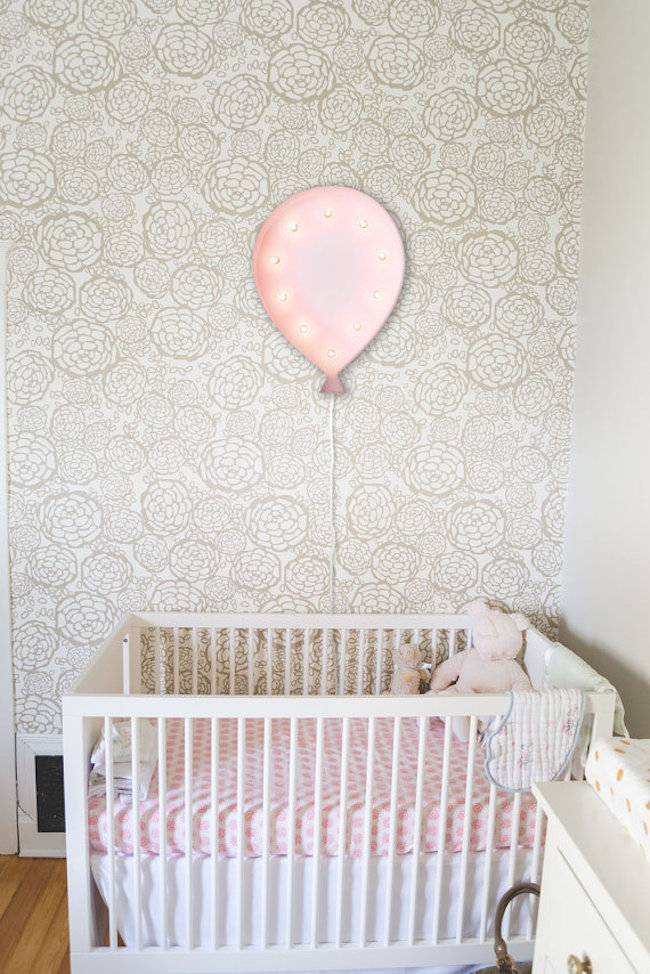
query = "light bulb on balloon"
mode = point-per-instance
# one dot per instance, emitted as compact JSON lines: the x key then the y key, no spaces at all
{"x":329,"y":271}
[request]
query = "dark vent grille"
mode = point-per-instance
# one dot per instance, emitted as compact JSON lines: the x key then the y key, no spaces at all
{"x":50,"y":812}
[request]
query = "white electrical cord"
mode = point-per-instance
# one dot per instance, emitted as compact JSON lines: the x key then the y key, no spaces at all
{"x":332,"y":513}
{"x":332,"y":565}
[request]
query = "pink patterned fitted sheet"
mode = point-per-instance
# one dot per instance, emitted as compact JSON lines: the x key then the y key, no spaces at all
{"x":305,"y":773}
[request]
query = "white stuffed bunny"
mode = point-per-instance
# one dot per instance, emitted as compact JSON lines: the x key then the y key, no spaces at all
{"x":490,"y":666}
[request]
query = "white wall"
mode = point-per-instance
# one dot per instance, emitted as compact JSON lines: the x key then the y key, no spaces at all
{"x":607,"y":560}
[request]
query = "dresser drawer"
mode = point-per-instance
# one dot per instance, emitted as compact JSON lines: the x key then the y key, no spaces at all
{"x":569,"y":923}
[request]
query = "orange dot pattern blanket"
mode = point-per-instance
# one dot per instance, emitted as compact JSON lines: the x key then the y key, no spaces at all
{"x":619,"y":770}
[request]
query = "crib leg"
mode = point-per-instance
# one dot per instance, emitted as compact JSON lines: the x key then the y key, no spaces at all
{"x":86,"y":918}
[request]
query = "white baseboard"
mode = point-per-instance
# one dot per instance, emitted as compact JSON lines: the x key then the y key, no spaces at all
{"x":31,"y":842}
{"x":38,"y":845}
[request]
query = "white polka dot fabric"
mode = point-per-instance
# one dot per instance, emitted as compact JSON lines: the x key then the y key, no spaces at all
{"x":619,"y":769}
{"x":305,"y":789}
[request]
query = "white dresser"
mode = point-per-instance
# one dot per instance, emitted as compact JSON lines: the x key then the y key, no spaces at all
{"x":594,"y":912}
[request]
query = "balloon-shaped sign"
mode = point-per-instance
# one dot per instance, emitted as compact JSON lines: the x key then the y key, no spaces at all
{"x":329,"y":267}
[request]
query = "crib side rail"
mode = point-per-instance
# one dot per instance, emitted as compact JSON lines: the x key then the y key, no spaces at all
{"x":85,"y":715}
{"x":601,"y":705}
{"x":281,"y":654}
{"x":190,"y":653}
{"x":81,"y":728}
{"x":303,"y":620}
{"x":264,"y":653}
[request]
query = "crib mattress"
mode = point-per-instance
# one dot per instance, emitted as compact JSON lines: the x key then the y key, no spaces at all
{"x":354,"y":812}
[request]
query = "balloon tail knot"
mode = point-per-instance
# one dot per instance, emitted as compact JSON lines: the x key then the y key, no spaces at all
{"x":333,"y":385}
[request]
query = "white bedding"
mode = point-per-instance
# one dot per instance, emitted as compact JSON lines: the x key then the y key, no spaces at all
{"x":252,"y":871}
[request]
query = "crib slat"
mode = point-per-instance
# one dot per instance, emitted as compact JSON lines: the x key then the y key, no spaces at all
{"x":269,"y":662}
{"x":135,"y":813}
{"x":241,"y":743}
{"x":176,"y":662}
{"x":514,"y":837}
{"x":487,"y":872}
{"x":392,"y":835}
{"x":367,"y":831}
{"x":158,"y":674}
{"x":325,"y":636}
{"x":266,"y":830}
{"x":195,"y":661}
{"x":287,"y":661}
{"x":343,"y":819}
{"x":467,"y":826}
{"x":214,"y":831}
{"x":110,"y":833}
{"x":537,"y":842}
{"x":162,"y":827}
{"x":512,"y":862}
{"x":442,"y":829}
{"x":361,"y":653}
{"x":343,"y":659}
{"x":251,"y":668}
{"x":305,"y":661}
{"x":213,"y":662}
{"x":452,"y":643}
{"x":231,"y":689}
{"x":433,"y":635}
{"x":417,"y":828}
{"x":189,"y":906}
{"x":126,"y":665}
{"x":291,"y":826}
{"x":416,"y":642}
{"x":534,"y":869}
{"x":318,"y":821}
{"x":380,"y":660}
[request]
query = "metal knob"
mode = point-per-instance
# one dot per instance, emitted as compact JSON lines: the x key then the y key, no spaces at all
{"x":575,"y":966}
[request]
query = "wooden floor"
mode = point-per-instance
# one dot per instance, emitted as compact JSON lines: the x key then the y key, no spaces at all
{"x":33,"y":916}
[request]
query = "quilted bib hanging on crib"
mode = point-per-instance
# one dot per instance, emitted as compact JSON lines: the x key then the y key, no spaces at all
{"x":535,"y":739}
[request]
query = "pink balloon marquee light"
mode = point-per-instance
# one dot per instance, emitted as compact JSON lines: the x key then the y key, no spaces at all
{"x":329,"y":267}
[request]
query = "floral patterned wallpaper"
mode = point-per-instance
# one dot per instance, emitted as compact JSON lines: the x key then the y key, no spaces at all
{"x":169,"y":449}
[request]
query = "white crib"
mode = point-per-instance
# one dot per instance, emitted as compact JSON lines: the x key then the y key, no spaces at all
{"x":300,"y":905}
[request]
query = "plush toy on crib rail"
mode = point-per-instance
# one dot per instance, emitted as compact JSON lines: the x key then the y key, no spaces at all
{"x":490,"y":666}
{"x":408,"y":672}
